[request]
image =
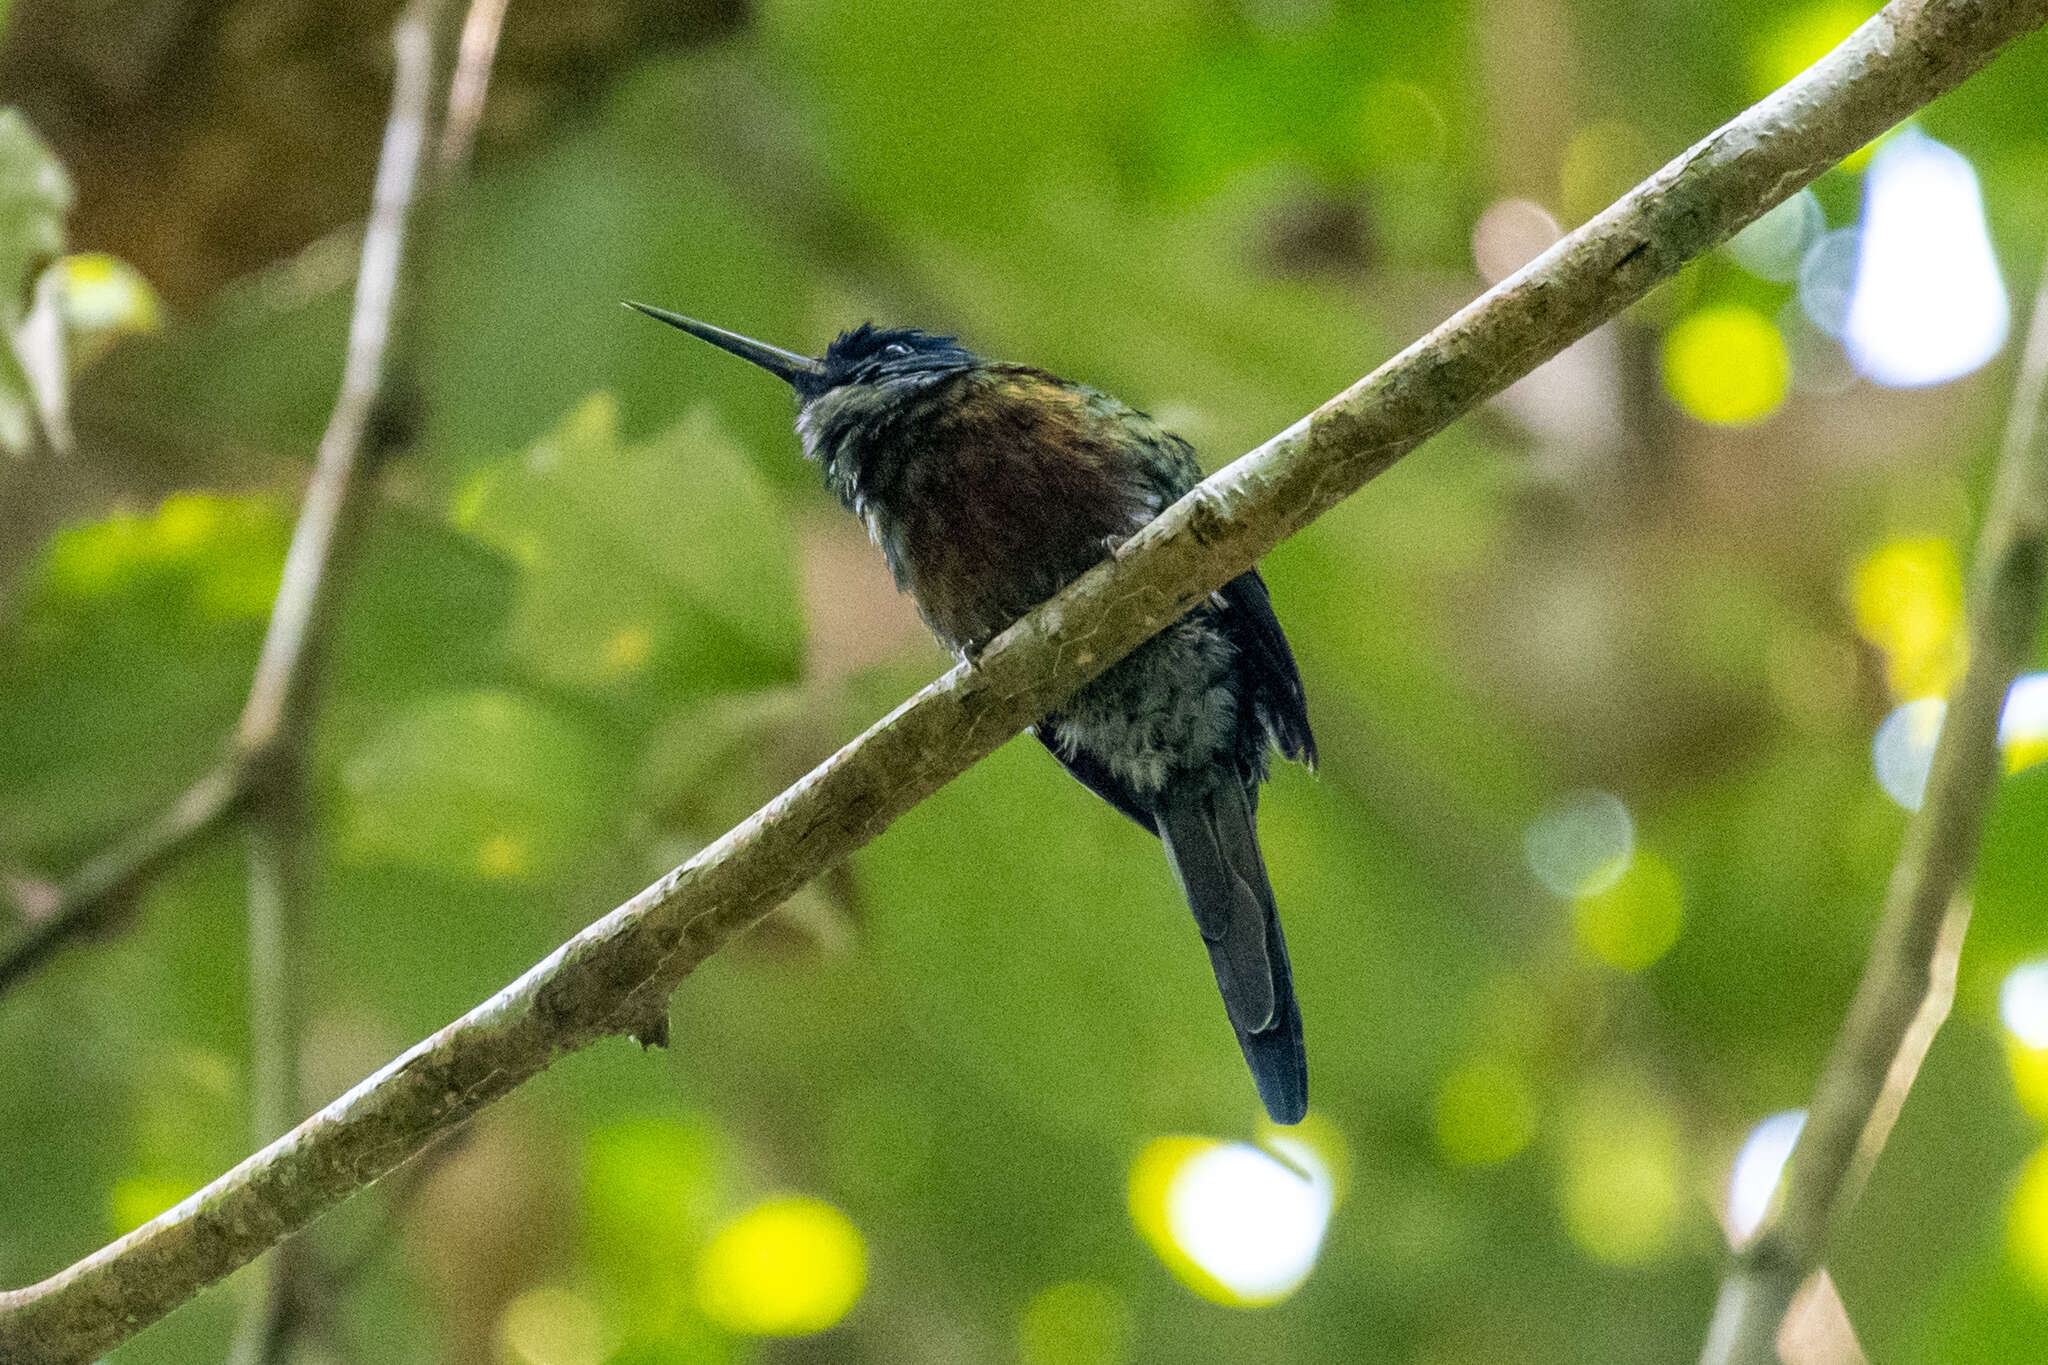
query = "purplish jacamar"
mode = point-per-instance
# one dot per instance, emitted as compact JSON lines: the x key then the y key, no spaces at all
{"x":991,"y":486}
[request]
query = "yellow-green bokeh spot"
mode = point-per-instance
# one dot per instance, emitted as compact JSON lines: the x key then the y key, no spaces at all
{"x":789,"y":1266}
{"x":1907,"y":598}
{"x":1802,"y":39}
{"x":1184,"y":1191}
{"x":103,"y":298}
{"x":1485,"y":1113}
{"x":1620,"y":1188}
{"x":1727,"y":365}
{"x":2029,"y":1076}
{"x":1078,"y":1322}
{"x":228,"y":550}
{"x":552,"y":1325}
{"x":1151,"y":1183}
{"x":2027,"y":1223}
{"x":1636,"y":920}
{"x":136,"y":1199}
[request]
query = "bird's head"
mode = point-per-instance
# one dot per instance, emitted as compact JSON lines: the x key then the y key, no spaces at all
{"x":885,"y":359}
{"x":854,"y":401}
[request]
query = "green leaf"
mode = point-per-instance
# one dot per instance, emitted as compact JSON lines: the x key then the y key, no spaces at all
{"x":485,"y":784}
{"x":35,"y":195}
{"x":127,"y":663}
{"x":658,"y":569}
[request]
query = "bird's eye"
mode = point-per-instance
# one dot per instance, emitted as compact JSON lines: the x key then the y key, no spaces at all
{"x":895,"y":348}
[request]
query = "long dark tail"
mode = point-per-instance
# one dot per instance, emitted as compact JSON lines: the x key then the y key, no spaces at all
{"x":1212,"y":843}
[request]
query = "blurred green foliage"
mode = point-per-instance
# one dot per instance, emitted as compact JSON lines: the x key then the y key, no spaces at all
{"x":603,"y":610}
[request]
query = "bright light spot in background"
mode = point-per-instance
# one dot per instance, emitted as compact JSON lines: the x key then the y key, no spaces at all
{"x":139,"y":1198}
{"x":1620,"y":1189}
{"x":231,"y":548}
{"x":1484,"y":1112}
{"x":1233,"y":1223}
{"x":2027,"y":1222}
{"x":1903,"y":752}
{"x":103,"y":297}
{"x":1632,"y":923}
{"x":1727,"y":366}
{"x":1754,"y":1178}
{"x":2023,"y":724}
{"x":1581,"y":844}
{"x":1773,"y":247}
{"x":787,"y":1267}
{"x":2023,"y":1007}
{"x":1079,"y":1322}
{"x":552,"y":1326}
{"x":1827,"y":280}
{"x":1929,"y":304}
{"x":1250,"y":1221}
{"x":1907,"y":599}
{"x":503,"y":857}
{"x":2023,"y":1004}
{"x":1802,"y":40}
{"x":1509,"y":235}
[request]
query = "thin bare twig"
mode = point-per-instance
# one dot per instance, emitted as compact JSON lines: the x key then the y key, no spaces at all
{"x":1903,"y":996}
{"x":100,"y":893}
{"x":473,"y":62}
{"x":615,"y":976}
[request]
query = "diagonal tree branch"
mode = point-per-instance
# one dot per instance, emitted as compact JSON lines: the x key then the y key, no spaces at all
{"x":615,"y":976}
{"x":1901,"y":999}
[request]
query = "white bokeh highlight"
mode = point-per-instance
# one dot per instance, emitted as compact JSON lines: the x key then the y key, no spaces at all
{"x":1929,"y":304}
{"x":2023,"y":1004}
{"x":1827,"y":280}
{"x":1757,"y":1167}
{"x":1581,"y":844}
{"x":1774,"y":246}
{"x":1252,"y":1221}
{"x":1903,"y":751}
{"x":2025,"y":717}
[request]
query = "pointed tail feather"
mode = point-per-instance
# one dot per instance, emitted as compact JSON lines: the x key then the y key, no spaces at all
{"x":1211,"y":839}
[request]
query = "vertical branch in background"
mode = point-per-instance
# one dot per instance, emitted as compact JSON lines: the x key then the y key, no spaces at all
{"x":1894,"y":1013}
{"x":274,"y":735}
{"x":366,"y":418}
{"x":473,"y":62}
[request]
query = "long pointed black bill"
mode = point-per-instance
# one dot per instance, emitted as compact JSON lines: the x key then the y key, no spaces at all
{"x":785,"y":365}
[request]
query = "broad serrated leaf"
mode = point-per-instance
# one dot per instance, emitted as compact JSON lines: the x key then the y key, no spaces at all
{"x":485,"y":784}
{"x":660,"y":569}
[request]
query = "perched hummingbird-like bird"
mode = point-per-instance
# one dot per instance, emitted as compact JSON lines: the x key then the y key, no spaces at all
{"x":989,"y":487}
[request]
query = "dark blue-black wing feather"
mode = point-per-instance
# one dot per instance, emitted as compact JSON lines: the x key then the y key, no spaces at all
{"x":1267,"y":662}
{"x":1094,"y":774}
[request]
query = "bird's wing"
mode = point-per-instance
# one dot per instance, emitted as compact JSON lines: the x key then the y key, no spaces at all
{"x":1094,"y":774}
{"x":1263,"y":652}
{"x":1212,"y":844}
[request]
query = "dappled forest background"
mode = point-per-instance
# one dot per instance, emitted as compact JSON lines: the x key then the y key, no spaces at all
{"x":1602,"y":678}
